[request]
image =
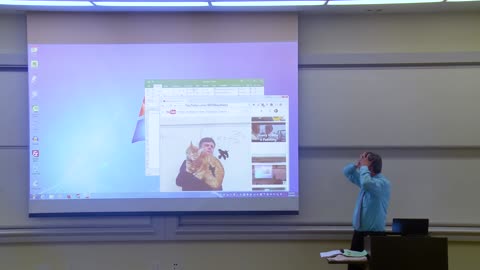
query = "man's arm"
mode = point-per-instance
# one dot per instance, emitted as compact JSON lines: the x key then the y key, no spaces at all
{"x":368,"y":183}
{"x":182,"y":174}
{"x":189,"y":182}
{"x":350,"y":171}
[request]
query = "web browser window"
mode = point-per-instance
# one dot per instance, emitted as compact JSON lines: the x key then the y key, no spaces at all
{"x":249,"y":135}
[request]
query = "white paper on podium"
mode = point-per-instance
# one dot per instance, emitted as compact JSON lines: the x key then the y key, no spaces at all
{"x":331,"y":253}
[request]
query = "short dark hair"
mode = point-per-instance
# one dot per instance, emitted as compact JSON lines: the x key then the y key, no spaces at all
{"x":375,"y":162}
{"x":206,"y":139}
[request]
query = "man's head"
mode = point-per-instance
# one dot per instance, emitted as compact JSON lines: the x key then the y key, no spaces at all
{"x":207,"y":144}
{"x":375,"y":162}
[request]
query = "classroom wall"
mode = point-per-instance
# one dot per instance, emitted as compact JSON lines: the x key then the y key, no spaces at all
{"x":325,"y":41}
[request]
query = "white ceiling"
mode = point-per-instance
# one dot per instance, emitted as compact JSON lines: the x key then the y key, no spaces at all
{"x":362,"y":9}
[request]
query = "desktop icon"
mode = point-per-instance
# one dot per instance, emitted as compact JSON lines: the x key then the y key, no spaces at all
{"x":34,"y":139}
{"x":34,"y":64}
{"x":34,"y":49}
{"x":35,"y":153}
{"x":35,"y":108}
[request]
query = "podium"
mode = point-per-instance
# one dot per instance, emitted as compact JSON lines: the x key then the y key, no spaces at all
{"x":407,"y":252}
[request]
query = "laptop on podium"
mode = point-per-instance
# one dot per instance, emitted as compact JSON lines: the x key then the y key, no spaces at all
{"x":410,"y":226}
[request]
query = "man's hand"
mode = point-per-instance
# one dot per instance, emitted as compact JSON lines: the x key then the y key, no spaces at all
{"x":363,"y":161}
{"x":199,"y":175}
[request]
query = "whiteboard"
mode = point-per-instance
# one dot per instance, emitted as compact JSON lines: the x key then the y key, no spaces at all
{"x":416,"y":106}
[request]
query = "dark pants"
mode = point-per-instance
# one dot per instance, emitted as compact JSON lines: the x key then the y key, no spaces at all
{"x":358,"y":244}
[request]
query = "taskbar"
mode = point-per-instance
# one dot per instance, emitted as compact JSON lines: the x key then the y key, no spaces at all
{"x":164,"y":195}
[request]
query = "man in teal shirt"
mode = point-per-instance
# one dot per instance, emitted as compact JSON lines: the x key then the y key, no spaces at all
{"x":371,"y":208}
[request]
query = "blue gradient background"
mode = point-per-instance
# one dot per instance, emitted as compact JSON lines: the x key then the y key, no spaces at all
{"x":90,"y":96}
